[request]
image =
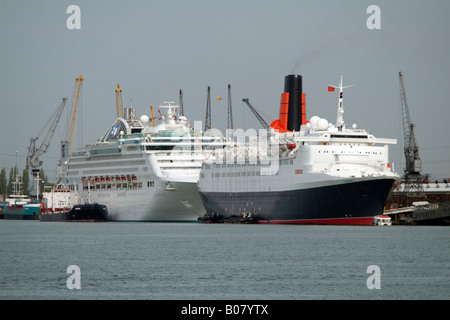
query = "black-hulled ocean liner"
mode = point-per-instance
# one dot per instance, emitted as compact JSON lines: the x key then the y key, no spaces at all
{"x":313,"y":172}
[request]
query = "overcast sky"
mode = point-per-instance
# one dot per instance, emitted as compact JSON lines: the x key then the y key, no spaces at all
{"x":155,"y":48}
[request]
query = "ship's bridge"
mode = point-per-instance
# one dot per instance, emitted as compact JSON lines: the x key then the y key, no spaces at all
{"x":122,"y":126}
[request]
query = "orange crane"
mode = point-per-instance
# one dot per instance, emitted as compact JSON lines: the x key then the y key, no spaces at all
{"x":152,"y":118}
{"x":119,"y":101}
{"x":78,"y":83}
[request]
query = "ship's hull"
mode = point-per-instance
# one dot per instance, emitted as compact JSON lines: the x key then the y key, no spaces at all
{"x":26,"y":212}
{"x":79,"y":213}
{"x":341,"y":203}
{"x":182,"y":203}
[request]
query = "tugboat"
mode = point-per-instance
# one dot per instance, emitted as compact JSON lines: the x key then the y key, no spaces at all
{"x":381,"y":220}
{"x":64,"y":204}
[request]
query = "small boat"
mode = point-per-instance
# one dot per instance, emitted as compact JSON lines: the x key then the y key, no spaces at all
{"x":169,"y":187}
{"x":380,"y":220}
{"x":2,"y":209}
{"x":242,"y":218}
{"x":20,"y":206}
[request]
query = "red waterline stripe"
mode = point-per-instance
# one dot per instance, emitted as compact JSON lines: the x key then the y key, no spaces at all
{"x":364,"y":221}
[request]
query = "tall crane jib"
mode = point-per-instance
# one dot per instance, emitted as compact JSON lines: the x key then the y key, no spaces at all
{"x":230,"y":111}
{"x":181,"y":103}
{"x":34,"y":153}
{"x":260,"y":119}
{"x":412,"y":176}
{"x":119,"y":102}
{"x":78,"y":83}
{"x":208,"y":110}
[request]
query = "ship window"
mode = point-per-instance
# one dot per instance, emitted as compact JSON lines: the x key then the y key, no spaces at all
{"x":160,"y":147}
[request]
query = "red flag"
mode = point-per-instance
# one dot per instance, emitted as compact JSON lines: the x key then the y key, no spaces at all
{"x":330,"y":89}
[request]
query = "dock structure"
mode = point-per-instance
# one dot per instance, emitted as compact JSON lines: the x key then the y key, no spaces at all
{"x":432,"y":192}
{"x":432,"y":214}
{"x":400,"y":215}
{"x":430,"y":206}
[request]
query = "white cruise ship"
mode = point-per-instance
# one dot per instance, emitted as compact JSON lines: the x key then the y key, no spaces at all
{"x":145,"y":173}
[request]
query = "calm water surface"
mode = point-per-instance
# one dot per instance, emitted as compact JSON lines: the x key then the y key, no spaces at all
{"x":203,"y":261}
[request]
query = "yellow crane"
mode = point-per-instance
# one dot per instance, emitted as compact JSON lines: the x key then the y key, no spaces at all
{"x":152,"y":117}
{"x":78,"y":83}
{"x":119,"y":102}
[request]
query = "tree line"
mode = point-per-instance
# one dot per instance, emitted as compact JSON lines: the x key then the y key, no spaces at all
{"x":7,"y":183}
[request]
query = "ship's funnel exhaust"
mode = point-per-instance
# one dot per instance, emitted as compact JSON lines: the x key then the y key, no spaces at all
{"x":292,"y":105}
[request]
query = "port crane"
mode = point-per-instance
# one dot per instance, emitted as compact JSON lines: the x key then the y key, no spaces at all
{"x":152,"y":118}
{"x":230,"y":112}
{"x":66,"y":145}
{"x":119,"y":101}
{"x":208,"y":110}
{"x":34,"y":153}
{"x":260,"y":119}
{"x":181,"y":103}
{"x":412,"y":178}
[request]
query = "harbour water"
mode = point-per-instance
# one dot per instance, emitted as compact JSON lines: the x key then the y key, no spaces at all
{"x":215,"y":261}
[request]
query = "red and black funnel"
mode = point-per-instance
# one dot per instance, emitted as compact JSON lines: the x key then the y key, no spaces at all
{"x":292,"y":105}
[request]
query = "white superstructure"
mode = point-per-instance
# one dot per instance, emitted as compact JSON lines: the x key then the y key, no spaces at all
{"x":145,"y":173}
{"x":318,"y":155}
{"x":59,"y":198}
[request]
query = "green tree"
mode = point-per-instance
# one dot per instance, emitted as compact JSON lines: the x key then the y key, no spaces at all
{"x":25,"y":182}
{"x":12,"y":178}
{"x":3,"y":183}
{"x":42,"y":175}
{"x":43,"y":180}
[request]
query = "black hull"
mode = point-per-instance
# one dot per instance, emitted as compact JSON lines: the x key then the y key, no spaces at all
{"x":435,"y":214}
{"x":444,"y":221}
{"x":14,"y":216}
{"x":348,"y":203}
{"x":79,"y":213}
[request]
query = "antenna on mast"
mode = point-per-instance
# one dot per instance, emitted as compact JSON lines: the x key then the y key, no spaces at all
{"x":340,"y":124}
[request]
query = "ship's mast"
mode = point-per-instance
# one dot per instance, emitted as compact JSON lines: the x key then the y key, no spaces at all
{"x":340,"y":124}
